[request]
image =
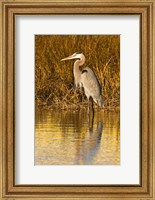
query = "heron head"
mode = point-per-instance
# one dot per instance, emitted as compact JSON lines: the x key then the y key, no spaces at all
{"x":77,"y":55}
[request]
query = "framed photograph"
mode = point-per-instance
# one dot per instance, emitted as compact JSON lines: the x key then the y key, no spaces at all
{"x":77,"y":99}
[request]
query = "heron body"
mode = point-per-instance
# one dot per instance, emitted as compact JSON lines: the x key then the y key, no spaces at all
{"x":91,"y":86}
{"x":86,"y":79}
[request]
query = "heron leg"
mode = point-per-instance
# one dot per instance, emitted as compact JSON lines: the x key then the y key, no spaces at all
{"x":90,"y":117}
{"x":88,"y":107}
{"x":91,"y":120}
{"x":92,"y":105}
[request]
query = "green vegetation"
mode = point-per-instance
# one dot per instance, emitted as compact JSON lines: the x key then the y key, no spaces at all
{"x":54,"y":79}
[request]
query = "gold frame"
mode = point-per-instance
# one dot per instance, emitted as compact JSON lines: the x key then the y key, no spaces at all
{"x":146,"y":10}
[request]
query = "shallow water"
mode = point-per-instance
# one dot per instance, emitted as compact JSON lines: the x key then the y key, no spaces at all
{"x":73,"y":138}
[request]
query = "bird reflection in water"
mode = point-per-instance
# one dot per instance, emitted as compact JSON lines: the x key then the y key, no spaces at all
{"x":91,"y":143}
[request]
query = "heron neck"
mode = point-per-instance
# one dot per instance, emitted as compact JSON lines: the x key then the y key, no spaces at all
{"x":76,"y":69}
{"x":77,"y":64}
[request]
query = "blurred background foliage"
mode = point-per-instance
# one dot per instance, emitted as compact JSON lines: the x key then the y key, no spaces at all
{"x":54,"y":79}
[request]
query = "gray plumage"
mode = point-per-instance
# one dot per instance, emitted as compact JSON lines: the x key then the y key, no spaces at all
{"x":86,"y":79}
{"x":91,"y":86}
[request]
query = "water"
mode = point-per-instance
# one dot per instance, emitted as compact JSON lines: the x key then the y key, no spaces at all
{"x":73,"y":138}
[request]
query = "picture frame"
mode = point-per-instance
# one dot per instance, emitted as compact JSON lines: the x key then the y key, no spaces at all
{"x":10,"y":9}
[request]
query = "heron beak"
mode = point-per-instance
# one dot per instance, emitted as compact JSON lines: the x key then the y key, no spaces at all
{"x":68,"y":58}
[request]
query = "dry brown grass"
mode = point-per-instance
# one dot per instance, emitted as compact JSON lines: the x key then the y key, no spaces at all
{"x":54,"y":79}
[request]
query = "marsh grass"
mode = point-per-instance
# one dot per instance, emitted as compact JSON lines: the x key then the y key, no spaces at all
{"x":54,"y":79}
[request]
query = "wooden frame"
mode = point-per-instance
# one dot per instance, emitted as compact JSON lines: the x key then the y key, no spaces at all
{"x":10,"y":9}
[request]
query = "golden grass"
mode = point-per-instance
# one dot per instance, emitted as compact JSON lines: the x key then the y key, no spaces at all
{"x":54,"y":79}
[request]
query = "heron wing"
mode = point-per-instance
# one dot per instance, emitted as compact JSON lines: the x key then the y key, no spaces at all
{"x":90,"y":82}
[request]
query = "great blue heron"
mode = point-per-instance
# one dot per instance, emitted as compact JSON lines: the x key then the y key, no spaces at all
{"x":86,"y":79}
